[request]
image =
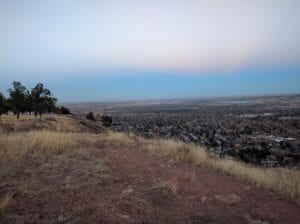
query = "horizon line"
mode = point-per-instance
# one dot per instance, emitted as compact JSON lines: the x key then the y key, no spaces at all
{"x":180,"y":98}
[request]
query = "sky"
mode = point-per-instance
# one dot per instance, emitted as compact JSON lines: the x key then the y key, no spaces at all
{"x":137,"y":49}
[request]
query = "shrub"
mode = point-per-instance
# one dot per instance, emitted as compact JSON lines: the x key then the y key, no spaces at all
{"x":90,"y":116}
{"x":106,"y":121}
{"x":62,"y":110}
{"x":167,"y":187}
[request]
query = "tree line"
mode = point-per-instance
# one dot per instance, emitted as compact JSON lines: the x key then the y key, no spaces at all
{"x":38,"y":100}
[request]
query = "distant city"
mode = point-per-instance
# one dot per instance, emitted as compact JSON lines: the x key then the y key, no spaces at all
{"x":259,"y":130}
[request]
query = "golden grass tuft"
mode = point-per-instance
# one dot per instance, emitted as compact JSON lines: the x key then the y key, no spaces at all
{"x":118,"y":139}
{"x":178,"y":150}
{"x":17,"y":146}
{"x":284,"y":181}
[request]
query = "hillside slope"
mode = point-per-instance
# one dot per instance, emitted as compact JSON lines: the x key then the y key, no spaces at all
{"x":81,"y":173}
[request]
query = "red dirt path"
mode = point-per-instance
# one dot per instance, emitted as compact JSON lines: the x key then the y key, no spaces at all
{"x":118,"y":186}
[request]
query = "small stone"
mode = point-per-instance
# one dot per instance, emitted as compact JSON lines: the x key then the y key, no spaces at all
{"x":203,"y":199}
{"x":228,"y":198}
{"x":62,"y":219}
{"x":247,"y":188}
{"x":259,"y":222}
{"x":128,"y":191}
{"x":125,"y":216}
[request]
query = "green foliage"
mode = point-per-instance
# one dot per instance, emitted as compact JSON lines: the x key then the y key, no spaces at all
{"x":90,"y":116}
{"x":2,"y":104}
{"x":17,"y":95}
{"x":20,"y":100}
{"x":42,"y":100}
{"x":62,"y":110}
{"x":106,"y":120}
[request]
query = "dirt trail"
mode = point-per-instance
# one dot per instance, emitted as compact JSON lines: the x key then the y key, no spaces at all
{"x":121,"y":185}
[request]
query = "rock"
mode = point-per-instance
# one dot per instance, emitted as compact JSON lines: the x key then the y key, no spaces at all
{"x":125,"y":216}
{"x":228,"y":198}
{"x":62,"y":219}
{"x":203,"y":199}
{"x":127,"y":191}
{"x":247,"y":188}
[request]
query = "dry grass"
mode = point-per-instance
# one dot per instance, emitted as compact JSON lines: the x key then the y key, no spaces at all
{"x":284,"y":181}
{"x":31,"y":137}
{"x":120,"y":139}
{"x":57,"y":123}
{"x":178,"y":150}
{"x":18,"y":146}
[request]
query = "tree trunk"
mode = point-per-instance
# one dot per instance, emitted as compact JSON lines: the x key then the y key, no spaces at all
{"x":18,"y":115}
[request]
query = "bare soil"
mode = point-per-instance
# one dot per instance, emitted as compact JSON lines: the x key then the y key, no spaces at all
{"x":115,"y":184}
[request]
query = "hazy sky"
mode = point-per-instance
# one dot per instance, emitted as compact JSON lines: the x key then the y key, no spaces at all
{"x":134,"y":49}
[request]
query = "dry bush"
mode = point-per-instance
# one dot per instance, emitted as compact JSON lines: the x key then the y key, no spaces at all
{"x":167,"y":187}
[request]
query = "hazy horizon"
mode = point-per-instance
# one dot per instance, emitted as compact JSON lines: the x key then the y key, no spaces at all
{"x":134,"y":50}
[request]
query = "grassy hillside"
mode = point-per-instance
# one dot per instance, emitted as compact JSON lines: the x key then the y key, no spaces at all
{"x":68,"y":151}
{"x":61,"y":136}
